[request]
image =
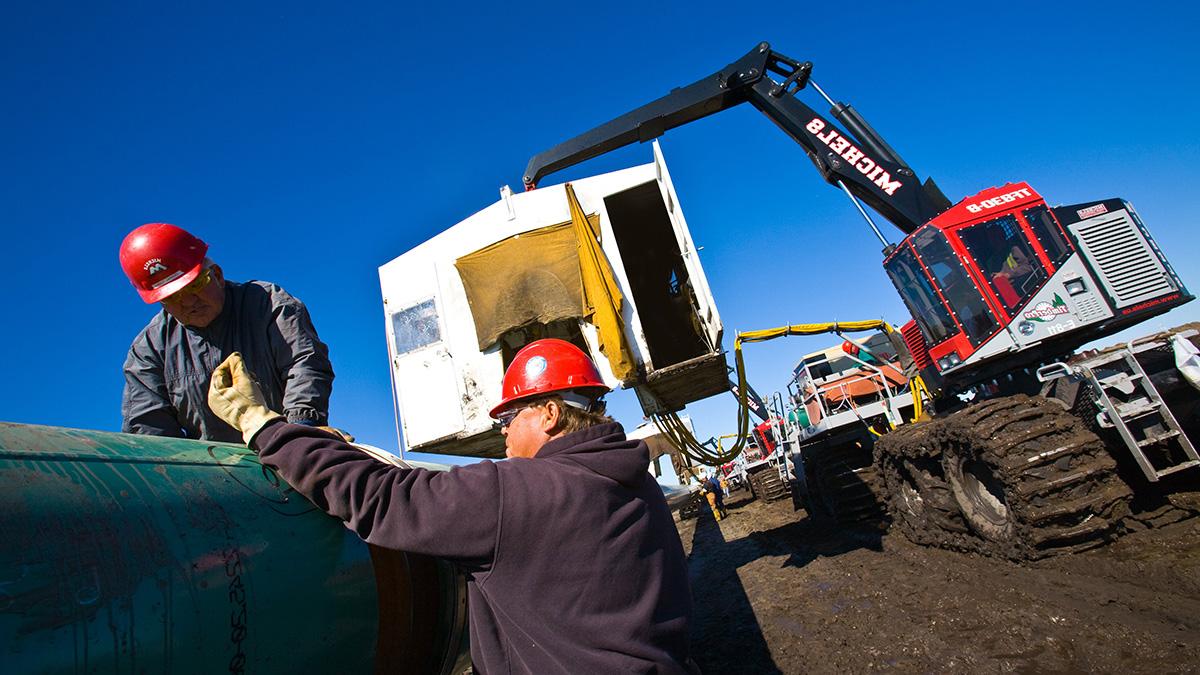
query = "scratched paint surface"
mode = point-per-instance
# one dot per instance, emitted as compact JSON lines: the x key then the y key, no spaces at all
{"x":129,"y":554}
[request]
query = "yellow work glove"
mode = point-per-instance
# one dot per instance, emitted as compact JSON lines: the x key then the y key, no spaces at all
{"x":235,"y":397}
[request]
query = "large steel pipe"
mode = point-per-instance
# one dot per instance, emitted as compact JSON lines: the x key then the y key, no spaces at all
{"x":135,"y":554}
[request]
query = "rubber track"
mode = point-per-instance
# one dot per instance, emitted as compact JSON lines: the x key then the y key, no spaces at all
{"x":919,"y":500}
{"x":850,"y":488}
{"x":770,"y":486}
{"x":1060,"y":483}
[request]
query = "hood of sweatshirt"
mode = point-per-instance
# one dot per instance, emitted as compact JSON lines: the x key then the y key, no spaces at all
{"x":604,"y":450}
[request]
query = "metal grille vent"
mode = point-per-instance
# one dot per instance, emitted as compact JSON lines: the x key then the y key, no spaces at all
{"x":1128,"y":267}
{"x":1090,"y":308}
{"x":916,"y":344}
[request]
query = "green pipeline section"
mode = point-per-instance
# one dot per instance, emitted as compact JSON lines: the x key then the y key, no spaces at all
{"x":131,"y":554}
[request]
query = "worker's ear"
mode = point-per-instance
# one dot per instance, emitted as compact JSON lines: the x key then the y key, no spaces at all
{"x":218,"y":275}
{"x":552,"y":415}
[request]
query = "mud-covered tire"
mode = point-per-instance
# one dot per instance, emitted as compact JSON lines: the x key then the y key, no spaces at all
{"x":918,"y":498}
{"x":845,"y":486}
{"x":1028,"y":479}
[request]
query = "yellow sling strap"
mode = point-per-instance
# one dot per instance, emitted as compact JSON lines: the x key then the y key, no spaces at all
{"x":601,"y":297}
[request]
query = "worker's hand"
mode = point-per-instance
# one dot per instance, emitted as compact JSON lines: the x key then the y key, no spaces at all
{"x":236,"y":398}
{"x":345,"y":435}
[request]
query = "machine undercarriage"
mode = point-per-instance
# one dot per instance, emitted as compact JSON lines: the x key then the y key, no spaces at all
{"x":1021,"y":476}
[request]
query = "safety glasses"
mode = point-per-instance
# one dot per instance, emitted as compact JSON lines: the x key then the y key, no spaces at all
{"x":198,"y":284}
{"x":506,"y":418}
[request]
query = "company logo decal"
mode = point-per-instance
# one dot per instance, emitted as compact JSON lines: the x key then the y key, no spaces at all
{"x":154,"y":266}
{"x":535,"y":366}
{"x":1092,"y":211}
{"x":865,"y":165}
{"x":1047,"y":311}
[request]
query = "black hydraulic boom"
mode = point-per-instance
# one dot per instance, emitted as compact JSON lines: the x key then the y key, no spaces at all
{"x":753,"y":401}
{"x":858,"y":160}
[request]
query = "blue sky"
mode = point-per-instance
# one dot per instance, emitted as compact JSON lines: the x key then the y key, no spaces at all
{"x":310,"y":143}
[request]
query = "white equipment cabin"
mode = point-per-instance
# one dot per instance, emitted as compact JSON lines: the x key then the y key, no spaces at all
{"x":605,"y":262}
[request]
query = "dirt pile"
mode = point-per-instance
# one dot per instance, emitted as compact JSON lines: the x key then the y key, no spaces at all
{"x":776,"y":592}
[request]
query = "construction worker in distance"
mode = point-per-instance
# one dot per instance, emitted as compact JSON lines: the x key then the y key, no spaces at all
{"x":711,"y":498}
{"x":716,"y":499}
{"x":203,"y":319}
{"x":572,"y":559}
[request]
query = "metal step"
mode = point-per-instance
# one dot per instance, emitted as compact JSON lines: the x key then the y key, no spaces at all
{"x":1102,"y":360}
{"x":1179,"y":467}
{"x":1118,"y":355}
{"x":1135,"y":409}
{"x":1129,"y":378}
{"x":1158,"y":438}
{"x":1122,"y":382}
{"x":1118,"y":378}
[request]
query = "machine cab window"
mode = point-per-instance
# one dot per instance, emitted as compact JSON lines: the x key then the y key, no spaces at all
{"x":927,"y":270}
{"x":1006,"y":259}
{"x":918,"y":294}
{"x":956,"y":286}
{"x":1048,"y":234}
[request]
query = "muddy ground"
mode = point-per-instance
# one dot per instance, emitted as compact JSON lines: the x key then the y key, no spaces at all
{"x":777,"y":593}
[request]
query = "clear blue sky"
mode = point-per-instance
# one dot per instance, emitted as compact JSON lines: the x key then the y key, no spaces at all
{"x":309,"y":143}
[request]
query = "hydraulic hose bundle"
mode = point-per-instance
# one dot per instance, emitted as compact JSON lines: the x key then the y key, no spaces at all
{"x":682,"y":439}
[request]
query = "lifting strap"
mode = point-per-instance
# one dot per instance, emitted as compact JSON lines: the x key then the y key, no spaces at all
{"x":601,"y":297}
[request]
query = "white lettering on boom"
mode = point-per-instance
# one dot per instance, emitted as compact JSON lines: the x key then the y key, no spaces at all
{"x":841,"y":145}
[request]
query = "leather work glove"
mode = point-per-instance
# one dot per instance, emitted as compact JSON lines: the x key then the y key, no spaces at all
{"x":344,"y":435}
{"x":236,"y":398}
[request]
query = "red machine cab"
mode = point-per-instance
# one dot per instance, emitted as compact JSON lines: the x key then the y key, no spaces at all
{"x":1001,"y":272}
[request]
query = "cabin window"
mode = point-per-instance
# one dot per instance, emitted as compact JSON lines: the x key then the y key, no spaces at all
{"x":960,"y":292}
{"x":916,"y":291}
{"x":416,"y":327}
{"x":1048,"y":233}
{"x":1006,"y":259}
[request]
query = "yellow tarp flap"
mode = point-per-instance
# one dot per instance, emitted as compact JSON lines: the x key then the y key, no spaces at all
{"x":601,"y":297}
{"x":529,"y":278}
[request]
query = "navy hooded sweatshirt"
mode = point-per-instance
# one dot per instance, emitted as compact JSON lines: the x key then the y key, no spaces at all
{"x":572,"y":559}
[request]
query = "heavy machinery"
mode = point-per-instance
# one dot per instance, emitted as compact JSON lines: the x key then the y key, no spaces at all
{"x":762,"y":467}
{"x":842,"y":399}
{"x":1002,"y":288}
{"x":766,"y":466}
{"x":605,"y":262}
{"x":764,"y":463}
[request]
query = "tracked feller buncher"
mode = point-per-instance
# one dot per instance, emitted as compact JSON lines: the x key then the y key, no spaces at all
{"x":1029,"y":447}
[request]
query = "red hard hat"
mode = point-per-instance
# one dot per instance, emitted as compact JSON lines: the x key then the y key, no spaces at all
{"x":548,"y":366}
{"x":160,"y":259}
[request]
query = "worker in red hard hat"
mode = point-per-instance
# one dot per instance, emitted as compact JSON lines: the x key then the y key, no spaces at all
{"x":203,"y":319}
{"x":551,"y":387}
{"x":572,"y":559}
